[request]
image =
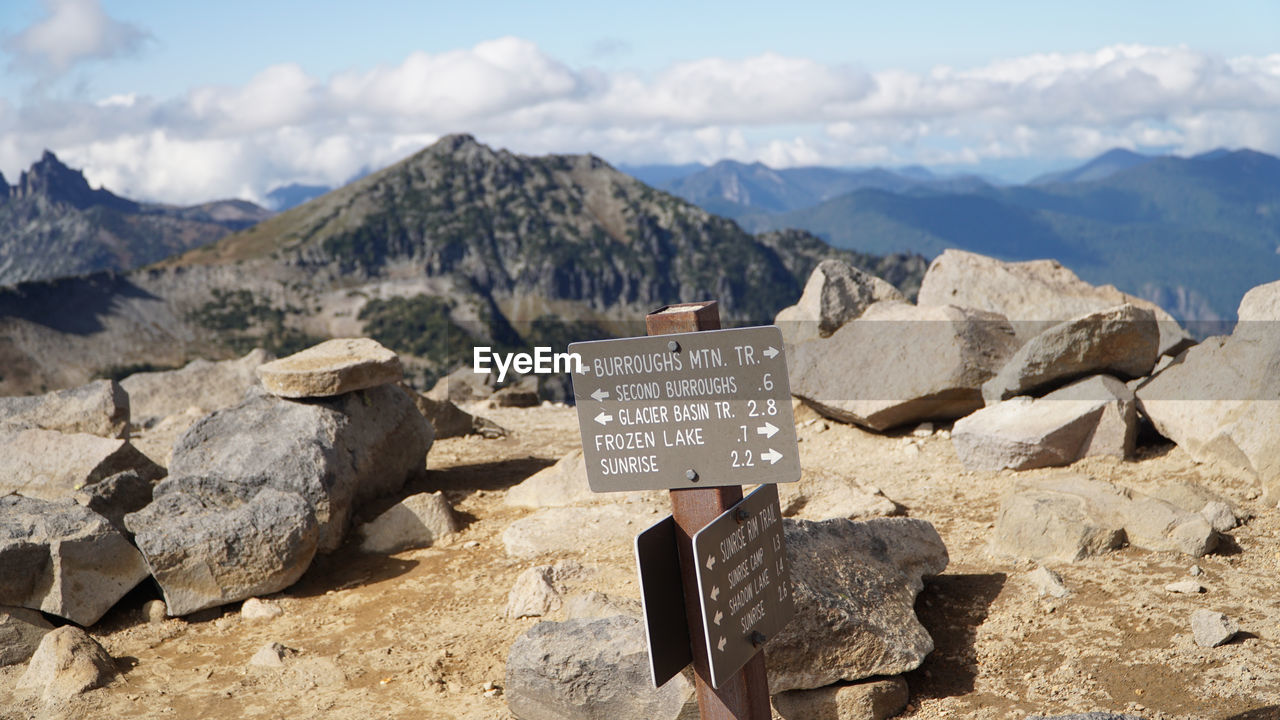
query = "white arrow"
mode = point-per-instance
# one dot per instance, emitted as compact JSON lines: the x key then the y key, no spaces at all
{"x":773,"y":456}
{"x":767,"y":430}
{"x":711,"y":561}
{"x":715,"y":592}
{"x":719,"y":616}
{"x":720,"y":645}
{"x":771,"y":352}
{"x":600,"y":395}
{"x":604,"y":419}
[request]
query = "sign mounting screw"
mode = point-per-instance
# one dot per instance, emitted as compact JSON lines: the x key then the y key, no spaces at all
{"x":691,"y":475}
{"x":741,"y":515}
{"x":673,"y":346}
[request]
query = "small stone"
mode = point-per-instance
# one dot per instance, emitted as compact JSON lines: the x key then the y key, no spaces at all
{"x":471,"y":545}
{"x":415,"y":522}
{"x":923,"y":430}
{"x":1185,"y":587}
{"x":67,"y":663}
{"x":1219,"y":515}
{"x":1048,"y":582}
{"x":155,"y":611}
{"x":331,"y":368}
{"x":255,"y":609}
{"x":533,"y":594}
{"x":1196,"y":571}
{"x":1212,"y":629}
{"x":271,"y":655}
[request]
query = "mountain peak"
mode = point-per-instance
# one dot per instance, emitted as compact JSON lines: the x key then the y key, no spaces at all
{"x":51,"y":179}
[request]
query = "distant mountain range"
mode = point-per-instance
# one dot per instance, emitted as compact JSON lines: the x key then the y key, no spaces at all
{"x":1193,"y":234}
{"x":458,"y":244}
{"x":52,"y":224}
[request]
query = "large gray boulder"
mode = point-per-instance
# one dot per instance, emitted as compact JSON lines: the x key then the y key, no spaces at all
{"x":337,"y":453}
{"x":1219,"y":400}
{"x":332,"y":368}
{"x":99,"y":408}
{"x":1033,"y":295}
{"x":1073,"y":517}
{"x":201,"y":384}
{"x":1094,"y":416}
{"x":52,"y":465}
{"x":63,"y":559}
{"x":835,"y":293}
{"x":855,"y":585}
{"x":899,"y":364}
{"x":21,"y":630}
{"x":1123,"y":341}
{"x":212,"y":541}
{"x":586,"y":669}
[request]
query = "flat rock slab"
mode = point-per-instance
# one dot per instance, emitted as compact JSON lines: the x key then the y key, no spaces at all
{"x":855,"y":585}
{"x":1034,"y":295}
{"x":415,"y":522}
{"x":210,"y":541}
{"x":63,"y":559}
{"x":52,"y":465}
{"x":21,"y":630}
{"x":586,"y":669}
{"x":867,"y":700}
{"x":570,"y":529}
{"x":1074,"y":517}
{"x":1094,"y":416}
{"x":1122,"y":341}
{"x":67,"y":663}
{"x":337,"y":453}
{"x":201,"y":384}
{"x":100,"y":408}
{"x":332,"y":368}
{"x":899,"y":364}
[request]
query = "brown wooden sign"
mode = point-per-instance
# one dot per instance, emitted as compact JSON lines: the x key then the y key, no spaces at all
{"x":688,"y":410}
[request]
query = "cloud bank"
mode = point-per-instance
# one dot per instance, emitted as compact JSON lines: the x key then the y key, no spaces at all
{"x":73,"y":31}
{"x":285,"y":125}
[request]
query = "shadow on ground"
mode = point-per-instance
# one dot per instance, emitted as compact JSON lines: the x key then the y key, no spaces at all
{"x":952,"y":607}
{"x":1270,"y":712}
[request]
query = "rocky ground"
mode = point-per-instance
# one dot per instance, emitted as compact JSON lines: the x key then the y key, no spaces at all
{"x":423,"y":633}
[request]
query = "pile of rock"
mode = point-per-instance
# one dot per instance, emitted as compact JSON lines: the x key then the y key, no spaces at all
{"x":254,"y":488}
{"x":1038,"y":368}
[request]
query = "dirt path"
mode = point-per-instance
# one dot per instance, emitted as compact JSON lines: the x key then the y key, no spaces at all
{"x":421,"y":634}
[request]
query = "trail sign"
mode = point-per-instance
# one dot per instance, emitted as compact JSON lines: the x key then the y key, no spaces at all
{"x":744,"y":582}
{"x":688,"y":410}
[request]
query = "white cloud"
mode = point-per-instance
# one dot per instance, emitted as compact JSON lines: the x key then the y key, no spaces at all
{"x":73,"y":31}
{"x":284,"y":125}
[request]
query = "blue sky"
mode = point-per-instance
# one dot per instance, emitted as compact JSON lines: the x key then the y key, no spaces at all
{"x":187,"y":101}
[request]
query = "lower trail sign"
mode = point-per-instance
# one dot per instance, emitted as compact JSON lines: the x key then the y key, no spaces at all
{"x":738,"y":373}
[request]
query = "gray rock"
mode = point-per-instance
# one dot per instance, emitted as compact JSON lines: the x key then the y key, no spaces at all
{"x":854,"y":585}
{"x":155,"y":611}
{"x":588,"y":669}
{"x":336,"y":453}
{"x":63,"y":559}
{"x":1260,"y":305}
{"x":415,"y":522}
{"x":1122,"y":341}
{"x":117,"y":496}
{"x":201,"y":384}
{"x":899,"y":364}
{"x":820,"y":497}
{"x":1093,"y":416}
{"x":51,"y":465}
{"x":1219,"y":515}
{"x":1217,"y":402}
{"x":67,"y":663}
{"x":331,"y":368}
{"x":876,"y":699}
{"x":1048,"y":582}
{"x":1185,"y":587}
{"x":211,"y":541}
{"x":534,"y":593}
{"x":1191,"y":496}
{"x":1033,"y":295}
{"x":99,"y":408}
{"x":20,"y":633}
{"x":271,"y":655}
{"x":449,"y":420}
{"x":570,"y":529}
{"x":463,"y":386}
{"x":256,"y":609}
{"x":1212,"y":629}
{"x":835,"y":293}
{"x":1073,"y":517}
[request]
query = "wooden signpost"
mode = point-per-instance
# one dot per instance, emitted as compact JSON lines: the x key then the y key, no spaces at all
{"x":653,"y":416}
